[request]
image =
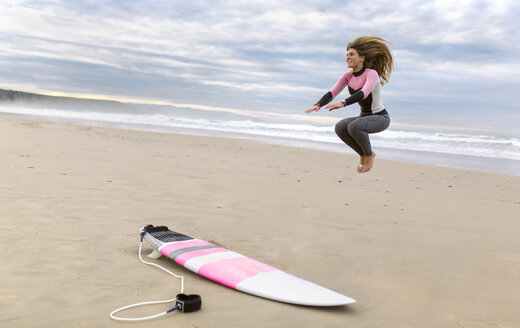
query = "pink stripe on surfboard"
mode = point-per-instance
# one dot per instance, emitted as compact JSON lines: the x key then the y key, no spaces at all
{"x":232,"y":271}
{"x":168,"y":248}
{"x":181,"y":259}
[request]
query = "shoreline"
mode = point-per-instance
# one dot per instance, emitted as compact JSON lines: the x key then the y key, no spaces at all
{"x":415,"y":245}
{"x":446,"y":160}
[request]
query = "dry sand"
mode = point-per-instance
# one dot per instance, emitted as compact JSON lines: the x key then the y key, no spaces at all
{"x":416,"y":245}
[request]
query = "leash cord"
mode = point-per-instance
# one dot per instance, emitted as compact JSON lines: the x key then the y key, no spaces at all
{"x":176,"y":307}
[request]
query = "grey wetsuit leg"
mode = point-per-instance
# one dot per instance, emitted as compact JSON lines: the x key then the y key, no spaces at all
{"x":354,"y":131}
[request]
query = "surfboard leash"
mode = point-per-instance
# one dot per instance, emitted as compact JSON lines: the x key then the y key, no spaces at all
{"x":182,"y":302}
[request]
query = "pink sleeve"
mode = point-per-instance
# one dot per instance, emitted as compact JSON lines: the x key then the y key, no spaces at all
{"x":340,"y":85}
{"x":372,"y":79}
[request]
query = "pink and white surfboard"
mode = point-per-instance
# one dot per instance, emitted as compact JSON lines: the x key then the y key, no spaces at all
{"x":240,"y":272}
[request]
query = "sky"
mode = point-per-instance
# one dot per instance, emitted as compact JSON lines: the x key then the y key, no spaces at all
{"x":456,"y":62}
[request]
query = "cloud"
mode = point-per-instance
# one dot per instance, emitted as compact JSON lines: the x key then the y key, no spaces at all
{"x":278,"y":54}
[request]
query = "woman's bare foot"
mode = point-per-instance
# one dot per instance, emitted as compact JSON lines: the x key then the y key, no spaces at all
{"x":361,"y":164}
{"x":369,"y":162}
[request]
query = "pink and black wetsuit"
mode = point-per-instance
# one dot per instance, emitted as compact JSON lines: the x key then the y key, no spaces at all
{"x":365,"y":88}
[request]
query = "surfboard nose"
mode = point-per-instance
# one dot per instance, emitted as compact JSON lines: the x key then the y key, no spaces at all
{"x":284,"y":287}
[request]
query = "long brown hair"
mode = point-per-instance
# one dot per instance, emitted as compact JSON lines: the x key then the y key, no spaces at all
{"x":377,"y":55}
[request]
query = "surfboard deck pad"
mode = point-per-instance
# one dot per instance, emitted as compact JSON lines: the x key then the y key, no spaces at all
{"x":238,"y":271}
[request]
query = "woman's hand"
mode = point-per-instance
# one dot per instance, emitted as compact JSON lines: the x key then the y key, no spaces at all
{"x":335,"y":106}
{"x":312,"y":109}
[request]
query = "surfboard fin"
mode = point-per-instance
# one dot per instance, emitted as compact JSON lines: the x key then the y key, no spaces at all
{"x":155,"y":254}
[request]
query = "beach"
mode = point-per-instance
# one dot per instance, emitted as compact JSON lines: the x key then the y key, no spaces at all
{"x":415,"y":245}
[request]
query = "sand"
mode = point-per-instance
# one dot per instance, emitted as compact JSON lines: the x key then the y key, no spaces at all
{"x":416,"y":245}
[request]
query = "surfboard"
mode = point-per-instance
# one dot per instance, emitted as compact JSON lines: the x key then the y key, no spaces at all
{"x":238,"y":271}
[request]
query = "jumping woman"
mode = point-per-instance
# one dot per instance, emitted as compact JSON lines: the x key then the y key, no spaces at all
{"x":372,"y":63}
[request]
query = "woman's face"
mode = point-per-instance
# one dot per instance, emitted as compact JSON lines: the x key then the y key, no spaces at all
{"x":354,"y":60}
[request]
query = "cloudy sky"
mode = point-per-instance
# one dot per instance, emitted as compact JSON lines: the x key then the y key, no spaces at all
{"x":455,"y":60}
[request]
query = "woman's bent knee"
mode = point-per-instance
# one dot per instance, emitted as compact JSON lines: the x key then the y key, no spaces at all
{"x":341,"y":128}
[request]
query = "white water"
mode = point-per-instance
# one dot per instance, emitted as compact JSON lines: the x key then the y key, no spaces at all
{"x":461,"y":144}
{"x":483,"y":146}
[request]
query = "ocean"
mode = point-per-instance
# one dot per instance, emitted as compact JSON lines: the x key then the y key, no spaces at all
{"x":470,"y":151}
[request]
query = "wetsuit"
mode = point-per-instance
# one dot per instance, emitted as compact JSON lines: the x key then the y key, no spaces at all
{"x":365,"y":89}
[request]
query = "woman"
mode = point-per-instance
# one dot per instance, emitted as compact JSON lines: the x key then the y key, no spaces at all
{"x":371,"y":62}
